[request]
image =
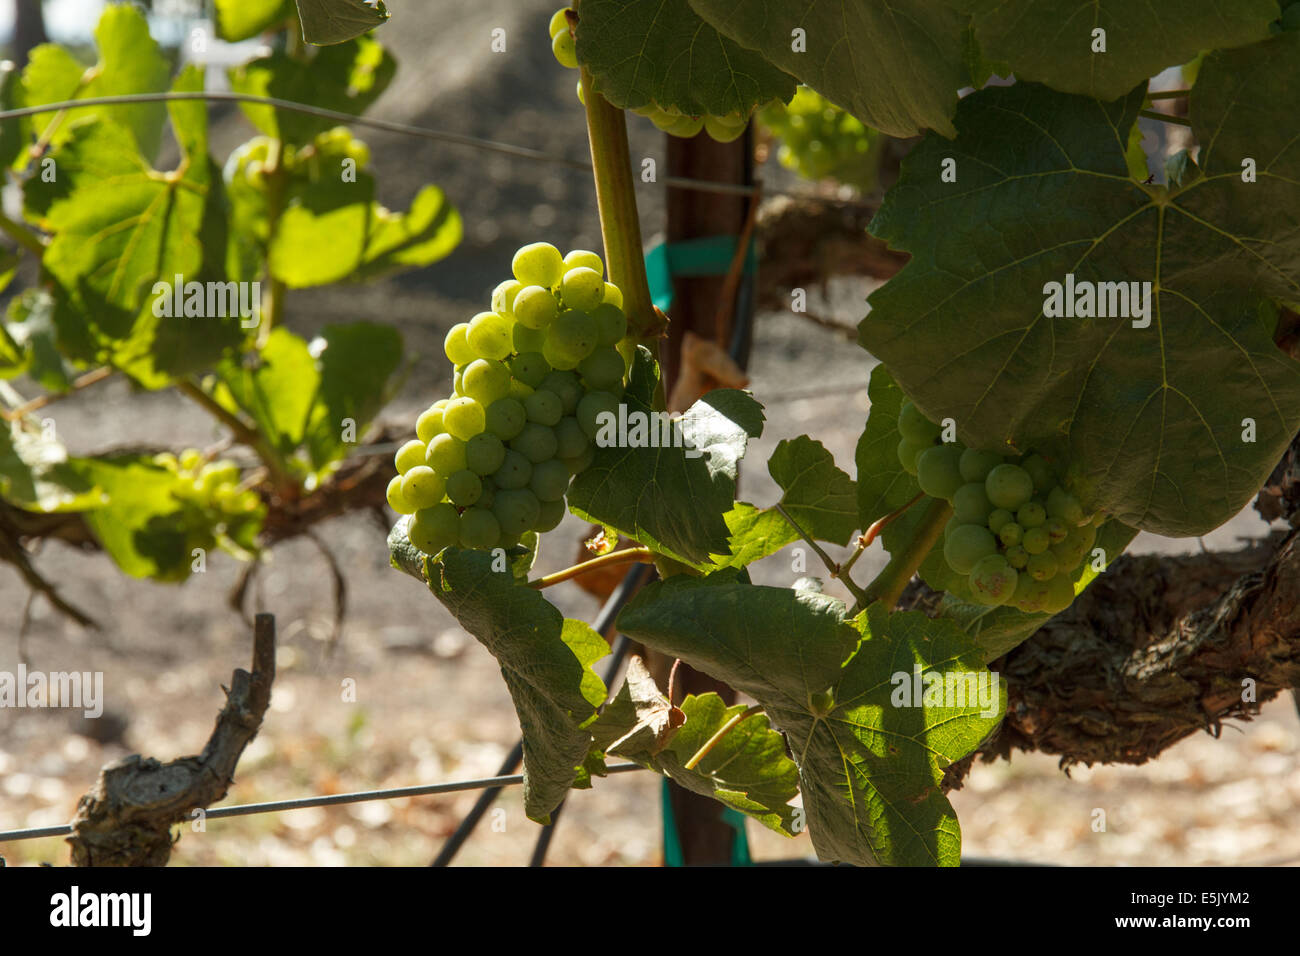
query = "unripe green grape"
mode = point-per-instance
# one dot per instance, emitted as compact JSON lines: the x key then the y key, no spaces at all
{"x":167,"y":460}
{"x":549,"y":515}
{"x":566,"y":385}
{"x":1031,"y":515}
{"x":528,"y":340}
{"x":550,"y":480}
{"x":505,"y":418}
{"x":998,"y":518}
{"x":614,"y":297}
{"x":395,"y":499}
{"x":1043,"y":566}
{"x":456,"y":345}
{"x":422,"y":487}
{"x":915,"y":426}
{"x":544,"y":408}
{"x":191,"y":460}
{"x":1057,"y":530}
{"x":538,"y":263}
{"x":479,"y":529}
{"x":517,"y":510}
{"x":967,"y":545}
{"x":993,"y":580}
{"x":570,"y":439}
{"x":1017,"y":556}
{"x":519,"y":391}
{"x":909,"y":451}
{"x":557,"y":358}
{"x":1060,"y":594}
{"x":515,"y":471}
{"x":409,"y":455}
{"x":1011,"y":533}
{"x":464,"y":418}
{"x":485,"y":380}
{"x":457,"y":381}
{"x":686,"y":126}
{"x":535,"y":307}
{"x":1061,"y":504}
{"x":572,"y":335}
{"x":1041,"y":473}
{"x":490,"y":335}
{"x":530,"y":368}
{"x":432,"y":529}
{"x":488,"y":495}
{"x":446,"y":454}
{"x":971,"y":504}
{"x":1030,"y":595}
{"x":484,"y":453}
{"x":937,"y":473}
{"x":559,"y":21}
{"x":580,"y":463}
{"x":602,"y":370}
{"x":584,"y":258}
{"x":536,"y":442}
{"x":975,"y":465}
{"x":582,"y":289}
{"x":1075,"y":548}
{"x":430,"y":421}
{"x":464,"y":488}
{"x":1009,"y":486}
{"x":1036,"y":540}
{"x":592,"y":408}
{"x":503,"y":297}
{"x":721,"y":131}
{"x":565,"y":50}
{"x":582,"y":97}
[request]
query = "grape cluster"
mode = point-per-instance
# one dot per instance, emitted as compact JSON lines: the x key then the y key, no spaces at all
{"x":819,"y":140}
{"x":213,"y":486}
{"x":532,"y":378}
{"x":246,"y":167}
{"x":1016,"y":533}
{"x":671,"y":120}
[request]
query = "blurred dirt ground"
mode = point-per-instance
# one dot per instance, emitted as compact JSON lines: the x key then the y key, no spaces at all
{"x":430,"y":704}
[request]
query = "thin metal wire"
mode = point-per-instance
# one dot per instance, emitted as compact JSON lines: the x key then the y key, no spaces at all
{"x":332,"y":800}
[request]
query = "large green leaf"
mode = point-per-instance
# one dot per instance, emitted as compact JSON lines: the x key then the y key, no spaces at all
{"x":545,"y":660}
{"x":870,"y":771}
{"x":321,"y":236}
{"x":643,"y":52}
{"x":894,"y":64}
{"x":243,"y":19}
{"x":1051,"y":40}
{"x":1154,"y":415}
{"x":672,"y":503}
{"x":335,"y":21}
{"x":276,"y":386}
{"x":422,"y":235}
{"x":356,"y":363}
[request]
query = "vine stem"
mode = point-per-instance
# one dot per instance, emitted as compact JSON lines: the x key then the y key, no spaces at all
{"x":82,"y":381}
{"x":1167,"y":94}
{"x":626,"y":556}
{"x":889,"y":583}
{"x":22,"y":235}
{"x":1165,"y":117}
{"x":722,"y":732}
{"x":242,"y":432}
{"x":831,"y":566}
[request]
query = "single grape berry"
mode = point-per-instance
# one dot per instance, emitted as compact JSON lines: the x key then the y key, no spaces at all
{"x":550,"y":480}
{"x":565,"y":50}
{"x":566,"y":385}
{"x":1011,"y":533}
{"x":536,"y":442}
{"x":937,"y":472}
{"x":582,"y":289}
{"x":559,"y":21}
{"x":572,"y":335}
{"x":430,"y":421}
{"x":485,"y":380}
{"x":490,"y":336}
{"x":975,"y":465}
{"x":408,"y":456}
{"x":505,"y":418}
{"x":527,"y":340}
{"x":535,"y":307}
{"x":909,"y":451}
{"x":993,"y":580}
{"x":1031,"y":515}
{"x":571,"y":440}
{"x":395,"y":499}
{"x":517,"y":510}
{"x":422,"y":487}
{"x":456,"y":345}
{"x":530,"y":368}
{"x":464,"y":488}
{"x":479,"y":529}
{"x":967,"y":545}
{"x":549,"y":515}
{"x":1061,"y":504}
{"x":1036,"y":540}
{"x":503,"y":297}
{"x":602,"y":370}
{"x":1017,"y":556}
{"x":1040,"y":471}
{"x":538,"y":263}
{"x":971,"y":504}
{"x":464,"y":418}
{"x":446,"y":454}
{"x":1057,"y":530}
{"x":595,"y":411}
{"x":998,"y":518}
{"x":515,"y":471}
{"x":914,"y":425}
{"x":614,"y":297}
{"x":432,"y":529}
{"x":544,"y":408}
{"x":484,"y":453}
{"x":1042,"y":567}
{"x":1009,"y":486}
{"x":584,"y":258}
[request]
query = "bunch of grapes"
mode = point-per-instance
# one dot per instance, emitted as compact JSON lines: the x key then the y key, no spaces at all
{"x":1015,"y":531}
{"x":213,"y":486}
{"x":819,"y":140}
{"x":532,"y":378}
{"x":671,"y":120}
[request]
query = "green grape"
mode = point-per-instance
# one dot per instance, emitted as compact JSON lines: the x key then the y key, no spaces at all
{"x":565,"y":50}
{"x":485,"y":380}
{"x":479,"y":529}
{"x":488,"y":494}
{"x":464,"y":418}
{"x":538,"y":263}
{"x":1031,"y":514}
{"x":559,"y":21}
{"x":464,"y":488}
{"x":549,"y":515}
{"x":936,"y":471}
{"x":971,"y":504}
{"x":566,"y":385}
{"x":1036,"y":540}
{"x":457,"y":381}
{"x":592,"y":409}
{"x":395,"y":499}
{"x":819,"y":140}
{"x":484,"y":453}
{"x":602,"y":370}
{"x":535,"y":307}
{"x":580,"y":463}
{"x":1042,"y":567}
{"x":1030,"y":595}
{"x":975,"y":465}
{"x":572,"y":335}
{"x":490,"y":335}
{"x":1040,"y":471}
{"x":998,"y":518}
{"x":520,"y":391}
{"x":914,"y":426}
{"x":517,"y":510}
{"x":1077,"y":545}
{"x":536,"y":442}
{"x":993,"y":580}
{"x":515,"y":471}
{"x":408,"y":456}
{"x":191,"y":459}
{"x":1061,"y":504}
{"x":570,"y":439}
{"x":544,"y":408}
{"x":446,"y":454}
{"x":909,"y":451}
{"x":1057,"y":530}
{"x":433,"y":529}
{"x":1011,"y":533}
{"x":1009,"y":486}
{"x":550,"y":480}
{"x":967,"y":545}
{"x":430,"y":421}
{"x":528,"y":340}
{"x":505,"y":418}
{"x":530,"y":368}
{"x":556,"y":358}
{"x":422,"y":487}
{"x":584,"y":258}
{"x":722,"y":132}
{"x":456,"y":345}
{"x":614,"y":297}
{"x":582,"y":289}
{"x":611,"y":323}
{"x":1017,"y":556}
{"x":503,"y":297}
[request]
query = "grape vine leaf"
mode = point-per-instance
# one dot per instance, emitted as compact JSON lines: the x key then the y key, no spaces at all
{"x":746,"y":770}
{"x":34,"y":475}
{"x":870,"y":770}
{"x":357,"y":362}
{"x":337,"y":21}
{"x":244,"y":19}
{"x":1153,"y":415}
{"x":671,"y":503}
{"x":659,"y":52}
{"x":275,"y":385}
{"x":1051,"y":41}
{"x":422,"y":235}
{"x":894,"y":64}
{"x":545,"y":660}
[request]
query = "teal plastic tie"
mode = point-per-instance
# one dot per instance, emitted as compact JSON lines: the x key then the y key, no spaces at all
{"x":673,"y":855}
{"x":708,"y":256}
